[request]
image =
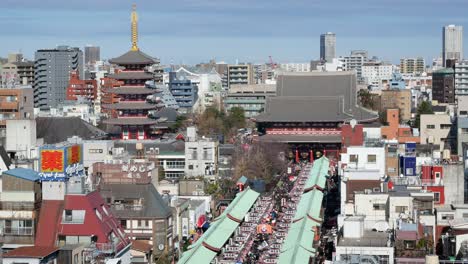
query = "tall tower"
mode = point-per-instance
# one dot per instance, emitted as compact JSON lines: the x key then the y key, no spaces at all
{"x":452,"y":43}
{"x":134,"y":29}
{"x":327,"y":46}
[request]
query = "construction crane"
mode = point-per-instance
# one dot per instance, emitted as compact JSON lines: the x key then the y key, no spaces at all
{"x":273,"y":64}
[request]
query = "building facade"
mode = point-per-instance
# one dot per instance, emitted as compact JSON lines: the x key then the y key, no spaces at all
{"x":201,"y":155}
{"x":92,"y":54}
{"x":412,"y":65}
{"x":443,"y":86}
{"x":461,"y":78}
{"x":355,"y":61}
{"x":436,"y":129}
{"x":85,"y":90}
{"x":327,"y":46}
{"x":396,"y":98}
{"x":240,"y":74}
{"x":452,"y":43}
{"x":52,"y":72}
{"x":17,"y":71}
{"x":184,"y":91}
{"x":16,"y":103}
{"x":251,"y":98}
{"x":376,"y":73}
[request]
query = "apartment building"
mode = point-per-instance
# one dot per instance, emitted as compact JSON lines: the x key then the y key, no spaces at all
{"x":396,"y":98}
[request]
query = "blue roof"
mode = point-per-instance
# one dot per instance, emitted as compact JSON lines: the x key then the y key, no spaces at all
{"x":25,"y":174}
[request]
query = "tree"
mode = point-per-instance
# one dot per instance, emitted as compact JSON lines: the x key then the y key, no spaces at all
{"x":366,"y":98}
{"x":180,"y":123}
{"x":424,"y":108}
{"x":236,"y":117}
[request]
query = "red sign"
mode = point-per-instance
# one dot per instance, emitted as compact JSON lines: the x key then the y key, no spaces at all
{"x":52,"y":161}
{"x":74,"y":155}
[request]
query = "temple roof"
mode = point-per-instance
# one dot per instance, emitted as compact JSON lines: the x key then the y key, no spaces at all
{"x":134,"y":57}
{"x":130,"y":106}
{"x":127,"y":75}
{"x":130,"y":121}
{"x":131,"y":90}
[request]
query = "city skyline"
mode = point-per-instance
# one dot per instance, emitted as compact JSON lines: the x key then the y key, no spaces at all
{"x":195,"y":31}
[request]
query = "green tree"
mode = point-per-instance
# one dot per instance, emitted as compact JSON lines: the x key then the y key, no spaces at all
{"x":236,"y":117}
{"x":366,"y":98}
{"x":179,"y":123}
{"x":424,"y":108}
{"x":212,"y":188}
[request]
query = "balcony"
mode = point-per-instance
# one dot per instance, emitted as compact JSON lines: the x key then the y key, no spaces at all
{"x":8,"y":105}
{"x":19,"y":206}
{"x":17,"y":231}
{"x":127,"y":207}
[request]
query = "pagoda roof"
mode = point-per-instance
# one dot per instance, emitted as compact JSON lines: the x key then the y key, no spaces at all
{"x":131,"y":90}
{"x":134,"y":57}
{"x":130,"y":121}
{"x":128,"y":75}
{"x":142,"y":105}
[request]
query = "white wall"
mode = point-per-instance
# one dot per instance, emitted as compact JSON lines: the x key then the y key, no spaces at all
{"x":364,"y":205}
{"x":373,"y":251}
{"x":53,"y":190}
{"x":395,"y":201}
{"x":21,"y":136}
{"x":22,"y":260}
{"x":362,"y":153}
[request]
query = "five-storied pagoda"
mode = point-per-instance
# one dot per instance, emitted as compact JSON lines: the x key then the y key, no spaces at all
{"x":131,"y":99}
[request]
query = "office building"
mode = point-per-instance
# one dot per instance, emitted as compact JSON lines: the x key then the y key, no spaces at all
{"x":327,"y":46}
{"x":355,"y":61}
{"x":412,"y":65}
{"x":184,"y":91}
{"x":396,"y":98}
{"x":461,"y":78}
{"x":240,"y":74}
{"x":92,"y":54}
{"x":443,"y":86}
{"x":452,"y":43}
{"x":52,"y":69}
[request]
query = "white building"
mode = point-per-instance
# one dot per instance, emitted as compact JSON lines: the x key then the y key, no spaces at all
{"x":375,"y":73}
{"x":355,"y":61}
{"x":201,"y":155}
{"x":365,"y":158}
{"x":358,"y":245}
{"x":461,"y":78}
{"x":295,"y":67}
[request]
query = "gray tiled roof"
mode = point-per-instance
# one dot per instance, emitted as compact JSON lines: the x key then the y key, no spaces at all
{"x":154,"y":205}
{"x":314,"y":97}
{"x":134,"y":57}
{"x":165,"y":146}
{"x":59,"y":129}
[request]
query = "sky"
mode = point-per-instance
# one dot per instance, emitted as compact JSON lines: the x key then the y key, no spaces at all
{"x":189,"y":31}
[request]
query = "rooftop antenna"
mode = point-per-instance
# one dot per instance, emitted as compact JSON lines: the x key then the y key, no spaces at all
{"x":134,"y":19}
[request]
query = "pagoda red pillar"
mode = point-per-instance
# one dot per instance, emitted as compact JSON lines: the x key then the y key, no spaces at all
{"x":311,"y":155}
{"x":297,"y":156}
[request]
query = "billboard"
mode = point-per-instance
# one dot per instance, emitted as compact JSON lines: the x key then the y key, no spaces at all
{"x":59,"y":162}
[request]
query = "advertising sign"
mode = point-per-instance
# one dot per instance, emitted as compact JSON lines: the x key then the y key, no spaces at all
{"x":58,"y":163}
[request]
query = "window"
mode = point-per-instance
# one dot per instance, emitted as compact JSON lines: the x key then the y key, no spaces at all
{"x":409,"y":244}
{"x":447,"y":217}
{"x":430,"y":126}
{"x":437,"y":174}
{"x":353,"y":158}
{"x":371,"y":158}
{"x":379,"y":206}
{"x":463,"y":112}
{"x":437,"y":197}
{"x":68,"y":215}
{"x":464,"y":130}
{"x":401,"y":209}
{"x":123,"y":223}
{"x":445,"y":126}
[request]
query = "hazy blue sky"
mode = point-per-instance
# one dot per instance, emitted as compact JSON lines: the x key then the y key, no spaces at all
{"x":249,"y":30}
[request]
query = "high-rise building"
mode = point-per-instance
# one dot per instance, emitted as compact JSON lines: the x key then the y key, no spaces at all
{"x":92,"y":54}
{"x":52,"y":69}
{"x":327,"y":46}
{"x":461,"y":78}
{"x":376,"y":73}
{"x":443,"y":83}
{"x":412,"y":65}
{"x":452,"y":43}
